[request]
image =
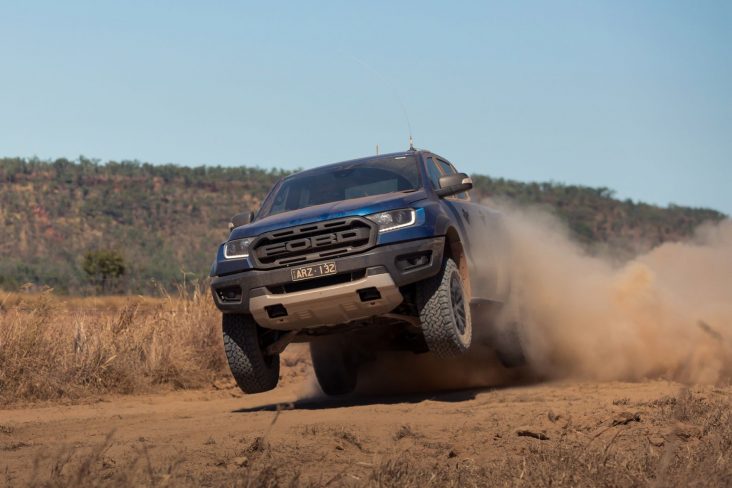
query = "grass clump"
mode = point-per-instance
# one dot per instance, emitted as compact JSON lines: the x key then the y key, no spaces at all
{"x":50,"y":351}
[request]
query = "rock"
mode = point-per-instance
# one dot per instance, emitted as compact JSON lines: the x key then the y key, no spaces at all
{"x":657,"y":441}
{"x":528,"y":432}
{"x":624,"y":418}
{"x":404,"y":431}
{"x":686,"y":431}
{"x":451,"y":454}
{"x":259,"y":444}
{"x":240,"y":461}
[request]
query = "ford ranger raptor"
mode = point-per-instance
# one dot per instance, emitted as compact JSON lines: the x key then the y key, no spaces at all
{"x":382,"y":253}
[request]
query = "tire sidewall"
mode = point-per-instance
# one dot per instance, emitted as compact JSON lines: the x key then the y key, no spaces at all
{"x":465,"y":337}
{"x":437,"y":313}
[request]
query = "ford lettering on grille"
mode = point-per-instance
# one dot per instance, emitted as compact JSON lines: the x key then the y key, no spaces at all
{"x":312,"y":242}
{"x":306,"y":243}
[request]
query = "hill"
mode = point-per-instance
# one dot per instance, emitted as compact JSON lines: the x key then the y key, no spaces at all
{"x":165,"y":221}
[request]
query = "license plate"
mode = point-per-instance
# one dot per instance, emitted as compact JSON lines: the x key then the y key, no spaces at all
{"x":313,"y":271}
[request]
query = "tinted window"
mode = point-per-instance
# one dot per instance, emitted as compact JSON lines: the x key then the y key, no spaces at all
{"x":446,"y":167}
{"x":433,"y":173}
{"x":343,"y":182}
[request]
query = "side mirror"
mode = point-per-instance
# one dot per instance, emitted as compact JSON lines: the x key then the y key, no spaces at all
{"x":241,"y":219}
{"x":454,"y":184}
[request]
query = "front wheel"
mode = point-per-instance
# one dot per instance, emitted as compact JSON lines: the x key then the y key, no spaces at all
{"x":253,"y":369}
{"x":444,"y":313}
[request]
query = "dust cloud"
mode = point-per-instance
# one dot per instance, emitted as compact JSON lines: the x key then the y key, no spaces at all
{"x":406,"y":372}
{"x":664,"y":314}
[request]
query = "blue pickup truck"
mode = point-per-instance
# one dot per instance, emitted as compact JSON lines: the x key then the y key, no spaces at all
{"x":381,"y":253}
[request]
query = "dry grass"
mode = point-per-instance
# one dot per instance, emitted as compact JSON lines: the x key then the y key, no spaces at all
{"x":59,"y":348}
{"x":51,"y":350}
{"x":91,"y":304}
{"x":694,"y":453}
{"x":692,"y":449}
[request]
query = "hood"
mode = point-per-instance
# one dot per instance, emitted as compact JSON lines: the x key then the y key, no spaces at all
{"x":334,"y":210}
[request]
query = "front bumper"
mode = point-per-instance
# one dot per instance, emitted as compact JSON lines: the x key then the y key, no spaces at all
{"x":242,"y":292}
{"x":327,"y":305}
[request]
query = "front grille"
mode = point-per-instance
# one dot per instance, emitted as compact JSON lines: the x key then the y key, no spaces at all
{"x":313,"y":242}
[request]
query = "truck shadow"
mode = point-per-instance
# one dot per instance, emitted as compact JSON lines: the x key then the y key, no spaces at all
{"x":355,"y":400}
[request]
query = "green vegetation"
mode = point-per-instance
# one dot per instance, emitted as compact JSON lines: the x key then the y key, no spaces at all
{"x":165,"y":221}
{"x":104,"y":267}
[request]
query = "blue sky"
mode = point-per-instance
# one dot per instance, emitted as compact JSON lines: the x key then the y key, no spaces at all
{"x":632,"y":95}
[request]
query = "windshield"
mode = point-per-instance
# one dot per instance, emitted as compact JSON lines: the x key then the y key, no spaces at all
{"x":343,"y":182}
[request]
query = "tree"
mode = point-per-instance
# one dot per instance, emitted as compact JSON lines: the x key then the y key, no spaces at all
{"x":104,"y":267}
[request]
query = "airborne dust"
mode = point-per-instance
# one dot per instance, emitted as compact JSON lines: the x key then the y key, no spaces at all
{"x":663,"y":314}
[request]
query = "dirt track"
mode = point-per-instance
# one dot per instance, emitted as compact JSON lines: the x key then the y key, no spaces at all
{"x":216,"y":436}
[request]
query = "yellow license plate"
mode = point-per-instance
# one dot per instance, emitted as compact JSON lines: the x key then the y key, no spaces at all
{"x":313,"y":271}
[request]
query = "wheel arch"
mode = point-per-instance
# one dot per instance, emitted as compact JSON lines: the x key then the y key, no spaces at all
{"x":454,"y":249}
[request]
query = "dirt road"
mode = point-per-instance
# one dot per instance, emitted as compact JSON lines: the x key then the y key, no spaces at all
{"x":567,"y":433}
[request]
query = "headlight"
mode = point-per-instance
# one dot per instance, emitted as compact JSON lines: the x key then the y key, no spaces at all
{"x":238,"y":248}
{"x":394,"y":219}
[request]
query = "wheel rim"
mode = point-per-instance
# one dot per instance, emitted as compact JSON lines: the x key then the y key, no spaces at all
{"x":458,"y":303}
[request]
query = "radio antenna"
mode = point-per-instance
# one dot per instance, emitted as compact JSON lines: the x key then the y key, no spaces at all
{"x":391,"y":85}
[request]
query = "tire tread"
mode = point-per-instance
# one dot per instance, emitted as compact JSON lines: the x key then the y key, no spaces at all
{"x":437,"y":316}
{"x":245,"y":357}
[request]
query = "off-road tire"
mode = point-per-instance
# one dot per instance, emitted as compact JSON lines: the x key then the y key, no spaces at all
{"x":335,"y":364}
{"x":253,"y":370}
{"x":508,"y":344}
{"x":509,"y":341}
{"x":445,"y":312}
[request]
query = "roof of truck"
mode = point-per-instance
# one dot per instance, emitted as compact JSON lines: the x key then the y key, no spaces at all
{"x":365,"y":158}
